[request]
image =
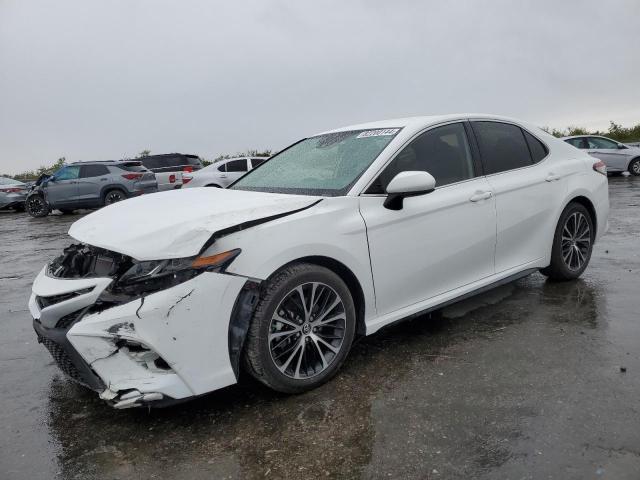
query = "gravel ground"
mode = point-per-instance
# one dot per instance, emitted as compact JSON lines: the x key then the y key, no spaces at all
{"x":522,"y":382}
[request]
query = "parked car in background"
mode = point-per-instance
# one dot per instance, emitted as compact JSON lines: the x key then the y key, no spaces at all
{"x":172,"y":296}
{"x":89,"y":185}
{"x":170,"y":167}
{"x":222,"y":174}
{"x":617,"y":156}
{"x":12,"y":194}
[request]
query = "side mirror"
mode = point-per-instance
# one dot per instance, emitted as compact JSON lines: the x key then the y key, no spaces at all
{"x":408,"y":184}
{"x":622,"y":146}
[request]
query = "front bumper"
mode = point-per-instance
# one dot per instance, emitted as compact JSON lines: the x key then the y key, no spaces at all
{"x":167,"y":346}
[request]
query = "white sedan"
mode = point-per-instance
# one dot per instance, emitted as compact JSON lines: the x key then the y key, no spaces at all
{"x":335,"y":237}
{"x":221,"y":174}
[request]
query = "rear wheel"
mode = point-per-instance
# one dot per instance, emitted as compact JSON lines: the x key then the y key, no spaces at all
{"x":113,"y":196}
{"x":572,"y":244}
{"x":302,"y":329}
{"x":634,"y":167}
{"x":36,"y":206}
{"x":214,"y":186}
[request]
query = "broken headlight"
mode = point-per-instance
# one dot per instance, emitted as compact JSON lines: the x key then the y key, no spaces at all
{"x":155,"y":275}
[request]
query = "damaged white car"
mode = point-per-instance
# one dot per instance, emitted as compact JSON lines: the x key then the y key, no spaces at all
{"x":170,"y":296}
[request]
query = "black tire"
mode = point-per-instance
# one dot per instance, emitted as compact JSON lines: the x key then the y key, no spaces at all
{"x":571,"y":253}
{"x":36,"y":206}
{"x":214,"y":186}
{"x":261,"y":353}
{"x":113,"y":196}
{"x":634,"y":167}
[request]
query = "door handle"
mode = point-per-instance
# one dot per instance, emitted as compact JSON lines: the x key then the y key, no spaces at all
{"x":223,"y":176}
{"x":476,"y":197}
{"x":104,"y":179}
{"x":552,"y":177}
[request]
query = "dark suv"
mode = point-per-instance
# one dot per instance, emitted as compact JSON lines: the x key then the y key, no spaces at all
{"x":89,"y":185}
{"x":169,"y":168}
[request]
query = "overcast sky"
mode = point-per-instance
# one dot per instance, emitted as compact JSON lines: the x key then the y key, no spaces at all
{"x":95,"y":80}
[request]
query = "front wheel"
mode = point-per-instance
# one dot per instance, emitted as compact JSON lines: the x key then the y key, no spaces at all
{"x":36,"y":206}
{"x":572,"y":244}
{"x":302,"y":329}
{"x":634,"y":167}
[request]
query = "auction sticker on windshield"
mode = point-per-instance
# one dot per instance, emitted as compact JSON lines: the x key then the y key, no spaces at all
{"x":378,"y":133}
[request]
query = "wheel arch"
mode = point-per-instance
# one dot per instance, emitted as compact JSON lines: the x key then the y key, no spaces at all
{"x":637,"y":157}
{"x":107,"y":188}
{"x":347,"y":276}
{"x":242,"y":313}
{"x":588,"y":204}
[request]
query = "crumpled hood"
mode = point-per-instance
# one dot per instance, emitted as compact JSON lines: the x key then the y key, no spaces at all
{"x":178,"y":223}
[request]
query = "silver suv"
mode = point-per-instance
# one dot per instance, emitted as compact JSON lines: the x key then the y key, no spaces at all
{"x":89,"y":185}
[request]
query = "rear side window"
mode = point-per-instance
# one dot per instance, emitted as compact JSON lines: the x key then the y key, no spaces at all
{"x":88,"y":171}
{"x":502,"y":146}
{"x":222,"y":168}
{"x":536,"y":147}
{"x":257,"y":161}
{"x":131,"y":167}
{"x":237,"y":166}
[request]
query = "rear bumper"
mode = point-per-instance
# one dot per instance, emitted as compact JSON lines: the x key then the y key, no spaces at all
{"x":165,"y":347}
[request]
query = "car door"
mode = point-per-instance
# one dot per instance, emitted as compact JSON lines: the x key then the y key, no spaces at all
{"x":90,"y":182}
{"x":62,"y":187}
{"x":614,"y":156}
{"x":234,"y":170}
{"x":527,"y":191}
{"x":438,"y":241}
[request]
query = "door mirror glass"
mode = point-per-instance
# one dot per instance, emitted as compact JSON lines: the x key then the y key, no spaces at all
{"x":408,"y":184}
{"x":622,"y":146}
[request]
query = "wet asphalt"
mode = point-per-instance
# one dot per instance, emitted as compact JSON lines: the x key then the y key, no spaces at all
{"x":523,"y":382}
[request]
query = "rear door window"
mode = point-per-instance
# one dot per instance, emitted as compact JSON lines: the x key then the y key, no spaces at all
{"x":237,"y":166}
{"x":502,"y":146}
{"x":581,"y":142}
{"x":88,"y":171}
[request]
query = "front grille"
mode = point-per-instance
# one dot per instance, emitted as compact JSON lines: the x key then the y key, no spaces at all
{"x":62,"y":359}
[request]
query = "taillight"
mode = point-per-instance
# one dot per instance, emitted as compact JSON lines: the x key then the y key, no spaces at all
{"x":188,"y":169}
{"x":132,"y":176}
{"x":600,"y":167}
{"x":10,"y":190}
{"x":186,"y":179}
{"x":172,"y":178}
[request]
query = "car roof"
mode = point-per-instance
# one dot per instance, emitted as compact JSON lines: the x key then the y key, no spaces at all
{"x":106,"y":162}
{"x":420,"y":122}
{"x":585,"y":136}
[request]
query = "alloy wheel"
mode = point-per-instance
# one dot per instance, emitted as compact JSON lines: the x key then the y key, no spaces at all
{"x":576,"y":241}
{"x":307,"y":330}
{"x":113,"y":197}
{"x":635,"y":167}
{"x":36,"y":205}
